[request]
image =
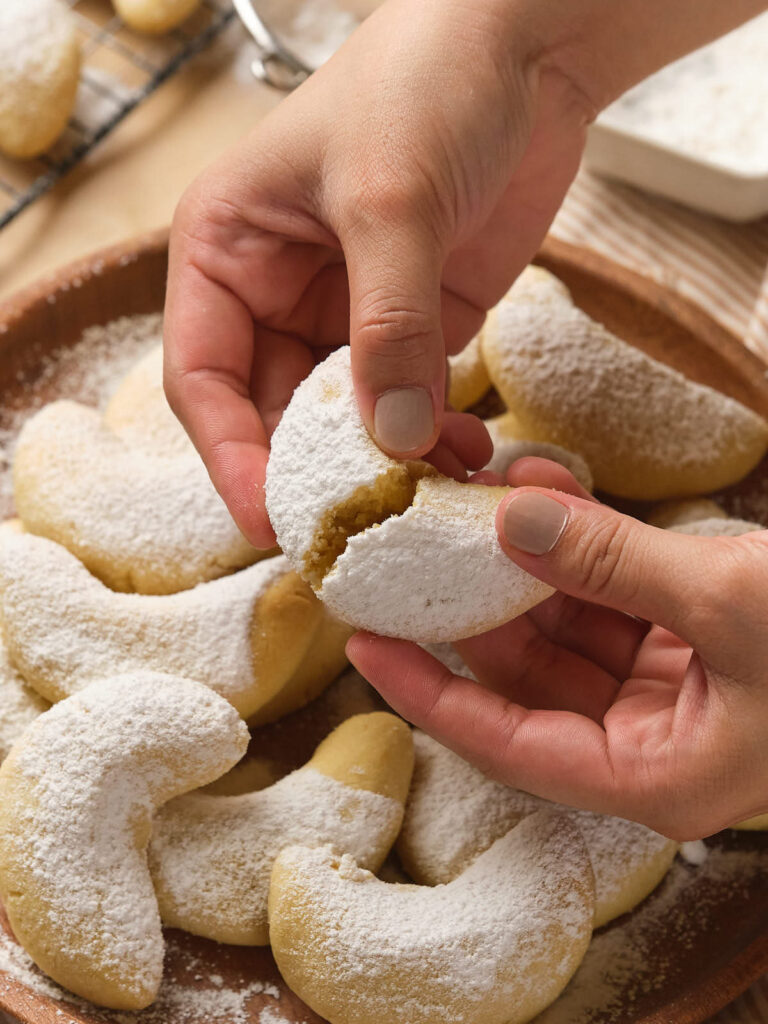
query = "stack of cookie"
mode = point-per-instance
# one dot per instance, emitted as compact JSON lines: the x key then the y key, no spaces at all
{"x":131,"y":603}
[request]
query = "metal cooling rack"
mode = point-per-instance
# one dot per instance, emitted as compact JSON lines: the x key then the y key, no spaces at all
{"x":120,"y":69}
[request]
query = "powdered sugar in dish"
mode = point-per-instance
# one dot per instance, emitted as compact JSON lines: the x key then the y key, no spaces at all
{"x":711,"y":105}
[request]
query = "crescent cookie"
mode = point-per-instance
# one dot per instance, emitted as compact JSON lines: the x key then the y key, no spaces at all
{"x":469,"y":378}
{"x":140,"y":522}
{"x":77,"y":796}
{"x":509,"y":446}
{"x":646,"y":431}
{"x":454,"y":813}
{"x":280,"y":747}
{"x":39,"y":74}
{"x":211,"y":856}
{"x":138,"y":411}
{"x":259,"y":637}
{"x":388,"y":546}
{"x":494,"y":946}
{"x":154,"y":16}
{"x":19,"y":704}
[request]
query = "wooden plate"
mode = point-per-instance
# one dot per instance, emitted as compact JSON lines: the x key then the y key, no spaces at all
{"x":698,"y":941}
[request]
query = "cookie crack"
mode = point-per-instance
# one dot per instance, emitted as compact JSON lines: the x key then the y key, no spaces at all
{"x":369,"y":505}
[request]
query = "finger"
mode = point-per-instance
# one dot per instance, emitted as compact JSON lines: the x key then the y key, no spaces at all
{"x":398,"y":353}
{"x":557,"y":755}
{"x":520,"y":662}
{"x":280,"y":363}
{"x":467,"y":437}
{"x":593,"y":553}
{"x":488,"y":478}
{"x":608,"y":638}
{"x":532,"y":471}
{"x":207,"y":368}
{"x":446,"y":462}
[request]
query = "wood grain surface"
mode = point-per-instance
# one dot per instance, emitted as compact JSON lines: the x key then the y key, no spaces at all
{"x":702,"y":937}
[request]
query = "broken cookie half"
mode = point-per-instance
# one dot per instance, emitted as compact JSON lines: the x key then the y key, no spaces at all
{"x":392,"y":547}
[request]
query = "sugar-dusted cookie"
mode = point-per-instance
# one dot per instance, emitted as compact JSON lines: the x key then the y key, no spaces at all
{"x":389,"y":546}
{"x":154,"y":16}
{"x":20,"y":705}
{"x":469,"y":378}
{"x":686,"y":510}
{"x":454,"y":813}
{"x":757,"y":824}
{"x":509,"y":445}
{"x":645,"y":430}
{"x":259,"y":637}
{"x":77,"y":796}
{"x":280,"y":747}
{"x":39,"y":74}
{"x":144,"y":522}
{"x":211,"y":856}
{"x":494,"y":946}
{"x":138,"y":411}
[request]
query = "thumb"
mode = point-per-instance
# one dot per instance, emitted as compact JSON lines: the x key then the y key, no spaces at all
{"x":594,"y":553}
{"x":398,"y":354}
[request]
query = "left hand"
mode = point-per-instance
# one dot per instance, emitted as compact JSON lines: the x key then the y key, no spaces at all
{"x":639,"y":689}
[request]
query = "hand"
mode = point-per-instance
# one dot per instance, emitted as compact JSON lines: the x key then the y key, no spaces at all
{"x":639,"y":689}
{"x":389,"y":202}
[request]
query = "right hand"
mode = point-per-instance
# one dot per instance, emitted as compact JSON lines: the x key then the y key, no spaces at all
{"x":390,"y":201}
{"x":638,"y":689}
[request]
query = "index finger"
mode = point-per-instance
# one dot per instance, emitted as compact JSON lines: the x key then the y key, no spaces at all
{"x":207,"y":367}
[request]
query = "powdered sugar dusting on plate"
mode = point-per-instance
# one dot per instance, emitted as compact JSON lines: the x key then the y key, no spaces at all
{"x":86,"y":372}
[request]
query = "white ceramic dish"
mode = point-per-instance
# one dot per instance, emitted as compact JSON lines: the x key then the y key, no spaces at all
{"x":701,"y":184}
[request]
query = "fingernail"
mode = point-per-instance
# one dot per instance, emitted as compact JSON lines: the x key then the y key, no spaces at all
{"x":404,"y":420}
{"x":534,"y":523}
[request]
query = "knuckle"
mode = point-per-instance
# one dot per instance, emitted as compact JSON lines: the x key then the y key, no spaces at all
{"x":600,"y":554}
{"x":386,"y":328}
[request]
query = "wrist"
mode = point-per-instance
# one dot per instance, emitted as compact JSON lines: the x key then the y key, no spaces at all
{"x":603,"y":47}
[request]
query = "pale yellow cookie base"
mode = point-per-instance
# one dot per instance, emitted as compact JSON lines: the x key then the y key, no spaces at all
{"x":154,"y":16}
{"x":469,"y":377}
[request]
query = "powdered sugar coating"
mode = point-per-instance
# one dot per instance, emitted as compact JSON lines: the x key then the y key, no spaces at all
{"x":65,"y":629}
{"x":507,"y":449}
{"x":716,"y":527}
{"x":39,"y":65}
{"x":19,"y":704}
{"x":494,"y":946}
{"x":139,"y":413}
{"x":143,"y":522}
{"x":77,"y":796}
{"x":211,"y":857}
{"x":320,"y":454}
{"x":454,"y":813}
{"x":435,"y":573}
{"x":448,"y":656}
{"x":645,"y":430}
